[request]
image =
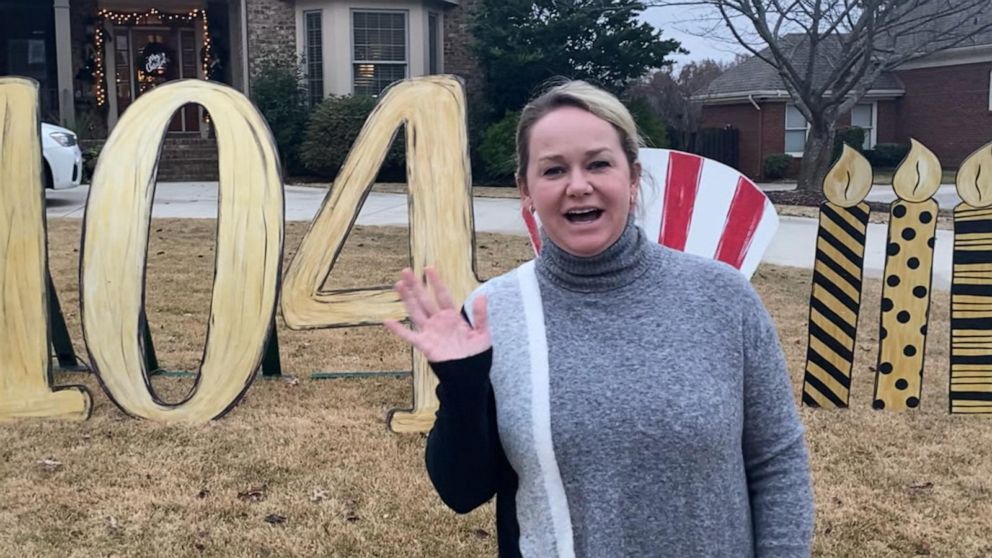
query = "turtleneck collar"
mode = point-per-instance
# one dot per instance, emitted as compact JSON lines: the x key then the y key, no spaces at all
{"x":617,"y":266}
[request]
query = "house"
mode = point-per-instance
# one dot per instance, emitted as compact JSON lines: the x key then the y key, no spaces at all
{"x":93,"y":58}
{"x":943,"y":100}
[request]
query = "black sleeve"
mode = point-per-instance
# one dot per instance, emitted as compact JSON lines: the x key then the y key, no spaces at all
{"x":463,"y":448}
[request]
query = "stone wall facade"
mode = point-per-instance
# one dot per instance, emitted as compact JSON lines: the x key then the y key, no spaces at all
{"x":459,"y":57}
{"x":271,"y":30}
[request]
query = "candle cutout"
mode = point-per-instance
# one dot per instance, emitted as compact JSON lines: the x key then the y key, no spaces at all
{"x":906,"y":287}
{"x":835,"y":300}
{"x":971,"y":288}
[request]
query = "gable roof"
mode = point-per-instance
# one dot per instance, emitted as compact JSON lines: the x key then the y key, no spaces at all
{"x":756,"y":77}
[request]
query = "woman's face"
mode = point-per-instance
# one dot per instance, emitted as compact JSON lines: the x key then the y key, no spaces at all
{"x":578,"y":180}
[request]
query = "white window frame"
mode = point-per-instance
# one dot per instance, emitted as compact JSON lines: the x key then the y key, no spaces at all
{"x":351,"y":47}
{"x":785,"y":124}
{"x":306,"y":54}
{"x":873,"y":131}
{"x":438,"y":48}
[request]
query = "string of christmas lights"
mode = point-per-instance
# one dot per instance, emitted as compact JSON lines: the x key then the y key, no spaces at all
{"x":152,"y":16}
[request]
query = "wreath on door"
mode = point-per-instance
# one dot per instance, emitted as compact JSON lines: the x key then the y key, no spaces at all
{"x":154,"y":65}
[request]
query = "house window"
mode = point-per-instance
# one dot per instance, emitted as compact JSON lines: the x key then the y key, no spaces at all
{"x":433,"y":44}
{"x":314,"y":55}
{"x":795,"y":130}
{"x":379,"y":53}
{"x":863,"y":116}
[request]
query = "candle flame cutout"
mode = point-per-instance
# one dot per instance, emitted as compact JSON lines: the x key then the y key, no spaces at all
{"x":974,"y":179}
{"x":918,"y":176}
{"x":849,"y":180}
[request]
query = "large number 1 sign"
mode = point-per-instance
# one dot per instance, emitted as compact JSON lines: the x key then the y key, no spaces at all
{"x":25,"y":372}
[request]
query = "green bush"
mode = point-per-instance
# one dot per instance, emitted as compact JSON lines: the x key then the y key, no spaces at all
{"x":649,"y":124}
{"x":497,"y":150}
{"x":887,"y":155}
{"x":777,"y":165}
{"x":281,"y":96}
{"x":852,"y":135}
{"x":331,"y":131}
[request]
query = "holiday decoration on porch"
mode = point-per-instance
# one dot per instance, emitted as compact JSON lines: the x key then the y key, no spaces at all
{"x":151,"y":17}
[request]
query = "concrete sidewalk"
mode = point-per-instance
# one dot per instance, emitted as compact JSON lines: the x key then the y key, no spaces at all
{"x":793,"y":244}
{"x":947,"y":195}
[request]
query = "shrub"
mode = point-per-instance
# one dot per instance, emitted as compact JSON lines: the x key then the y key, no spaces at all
{"x":777,"y":165}
{"x":333,"y":128}
{"x":281,"y":96}
{"x":853,"y":136}
{"x":887,"y":155}
{"x":497,"y":150}
{"x":649,"y":124}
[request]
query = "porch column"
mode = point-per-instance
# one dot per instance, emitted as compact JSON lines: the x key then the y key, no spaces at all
{"x":63,"y":56}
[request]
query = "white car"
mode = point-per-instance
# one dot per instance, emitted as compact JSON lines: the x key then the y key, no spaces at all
{"x":63,"y":159}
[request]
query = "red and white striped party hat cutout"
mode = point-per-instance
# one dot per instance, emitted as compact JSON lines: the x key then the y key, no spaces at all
{"x":699,"y":206}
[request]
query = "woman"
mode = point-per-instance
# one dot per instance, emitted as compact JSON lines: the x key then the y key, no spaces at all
{"x":619,"y":398}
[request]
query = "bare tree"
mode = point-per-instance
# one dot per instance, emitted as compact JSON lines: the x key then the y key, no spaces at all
{"x":670,"y":94}
{"x":830,"y":52}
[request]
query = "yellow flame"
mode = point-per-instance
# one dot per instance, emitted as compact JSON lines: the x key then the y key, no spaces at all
{"x":918,"y":176}
{"x":974,"y":180}
{"x":849,"y":179}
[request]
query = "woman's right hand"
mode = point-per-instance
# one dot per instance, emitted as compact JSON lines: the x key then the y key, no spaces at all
{"x":439,"y":330}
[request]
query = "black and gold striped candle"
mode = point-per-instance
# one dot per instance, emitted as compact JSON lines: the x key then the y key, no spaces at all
{"x":906,"y":282}
{"x":835,"y":298}
{"x":971,"y":288}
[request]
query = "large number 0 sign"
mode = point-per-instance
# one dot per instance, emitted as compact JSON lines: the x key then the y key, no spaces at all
{"x":25,"y":373}
{"x":249,"y":245}
{"x":249,"y":251}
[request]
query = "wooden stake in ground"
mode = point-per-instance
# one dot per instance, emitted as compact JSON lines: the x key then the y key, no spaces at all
{"x":249,"y":251}
{"x":835,"y":300}
{"x":25,"y":364}
{"x":906,"y":289}
{"x":971,"y":288}
{"x":441,"y":222}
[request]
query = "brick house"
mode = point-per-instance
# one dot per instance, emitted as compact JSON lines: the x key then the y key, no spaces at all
{"x":92,"y":58}
{"x":944,"y":101}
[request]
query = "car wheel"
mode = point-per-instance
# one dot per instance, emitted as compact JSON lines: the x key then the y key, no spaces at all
{"x":49,"y":181}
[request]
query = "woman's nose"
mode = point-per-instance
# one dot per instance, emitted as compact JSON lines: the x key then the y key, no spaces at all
{"x":578,"y":184}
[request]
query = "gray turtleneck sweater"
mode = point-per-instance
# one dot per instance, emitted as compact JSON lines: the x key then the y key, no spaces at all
{"x":645,"y":410}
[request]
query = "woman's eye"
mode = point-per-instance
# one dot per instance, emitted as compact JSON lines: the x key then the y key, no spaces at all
{"x":599,"y":164}
{"x":552,"y":171}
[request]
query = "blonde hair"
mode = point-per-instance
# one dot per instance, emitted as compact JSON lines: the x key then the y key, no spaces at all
{"x":580,"y":94}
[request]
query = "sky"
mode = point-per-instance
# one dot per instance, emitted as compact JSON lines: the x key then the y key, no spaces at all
{"x":697,"y":29}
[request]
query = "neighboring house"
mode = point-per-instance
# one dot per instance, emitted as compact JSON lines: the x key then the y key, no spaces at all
{"x":93,"y":58}
{"x":944,"y":101}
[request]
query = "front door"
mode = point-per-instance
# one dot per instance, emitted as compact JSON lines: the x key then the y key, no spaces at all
{"x":147,"y":57}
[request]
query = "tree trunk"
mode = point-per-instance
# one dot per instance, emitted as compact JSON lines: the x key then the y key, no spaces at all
{"x":817,"y":157}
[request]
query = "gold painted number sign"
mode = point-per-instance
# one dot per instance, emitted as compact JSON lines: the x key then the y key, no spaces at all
{"x":249,"y":251}
{"x":25,"y":367}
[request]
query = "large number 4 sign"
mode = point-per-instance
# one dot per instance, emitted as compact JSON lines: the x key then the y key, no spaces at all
{"x":441,"y":223}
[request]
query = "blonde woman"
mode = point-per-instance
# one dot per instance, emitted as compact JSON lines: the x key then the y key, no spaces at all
{"x":617,"y":397}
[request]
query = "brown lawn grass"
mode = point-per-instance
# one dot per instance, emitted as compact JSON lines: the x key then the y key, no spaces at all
{"x":318,"y":454}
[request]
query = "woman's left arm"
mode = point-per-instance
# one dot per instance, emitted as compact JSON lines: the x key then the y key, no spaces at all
{"x":773,"y":444}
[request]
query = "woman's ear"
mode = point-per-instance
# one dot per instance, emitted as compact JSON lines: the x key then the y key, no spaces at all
{"x":525,"y":200}
{"x":635,"y":182}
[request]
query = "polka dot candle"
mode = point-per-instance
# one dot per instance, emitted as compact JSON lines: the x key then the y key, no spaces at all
{"x":906,"y":282}
{"x":835,"y":300}
{"x":971,"y":288}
